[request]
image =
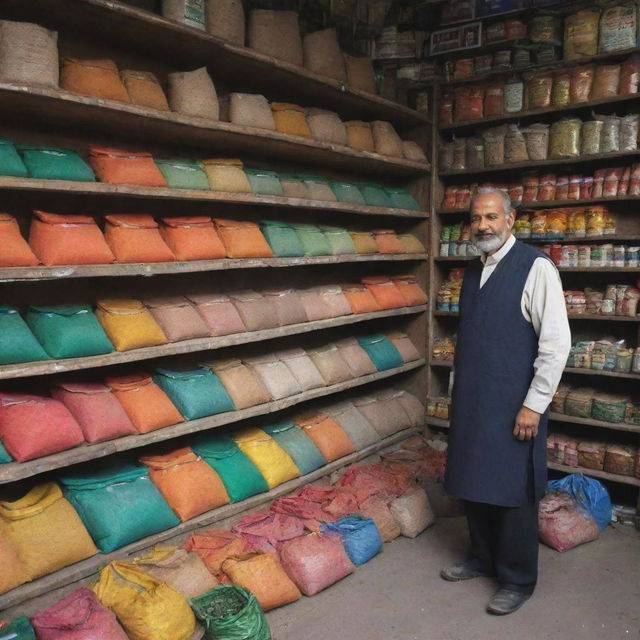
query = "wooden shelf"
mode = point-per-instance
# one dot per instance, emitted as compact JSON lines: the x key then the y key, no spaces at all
{"x":621,"y":237}
{"x":446,"y":314}
{"x":455,"y":258}
{"x":79,"y":189}
{"x":604,"y":475}
{"x":91,"y":566}
{"x":61,"y":108}
{"x":596,"y":372}
{"x":598,"y":269}
{"x":587,"y":316}
{"x":13,"y":471}
{"x":590,"y":422}
{"x":21,"y":274}
{"x":437,"y":422}
{"x":553,"y":204}
{"x":45,"y":367}
{"x":448,"y":364}
{"x":478,"y":51}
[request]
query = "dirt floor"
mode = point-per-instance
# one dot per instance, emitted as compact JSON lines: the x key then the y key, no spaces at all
{"x":591,"y":592}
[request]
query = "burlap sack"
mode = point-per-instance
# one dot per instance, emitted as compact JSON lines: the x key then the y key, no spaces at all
{"x":277,"y":34}
{"x":144,"y":89}
{"x":386,"y":140}
{"x":225,"y":19}
{"x":360,"y":74}
{"x":412,"y":151}
{"x":326,"y":126}
{"x":28,"y":54}
{"x":322,"y":54}
{"x":359,"y":135}
{"x":192,"y":93}
{"x":251,"y":110}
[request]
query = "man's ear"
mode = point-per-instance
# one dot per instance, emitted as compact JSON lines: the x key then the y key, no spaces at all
{"x":511,"y":218}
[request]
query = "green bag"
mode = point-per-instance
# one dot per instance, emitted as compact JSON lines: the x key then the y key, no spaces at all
{"x":18,"y":629}
{"x":196,"y":393}
{"x":298,"y":445}
{"x":263,"y":181}
{"x":381,"y":351}
{"x":347,"y":192}
{"x":314,"y":242}
{"x":10,"y":162}
{"x":51,"y":163}
{"x":4,"y":455}
{"x":118,"y":504}
{"x":182,"y":174}
{"x":282,"y":239}
{"x":239,"y":475}
{"x":402,"y":199}
{"x":68,"y":330}
{"x":339,"y":240}
{"x":375,"y":196}
{"x":17,"y":343}
{"x":230,"y":613}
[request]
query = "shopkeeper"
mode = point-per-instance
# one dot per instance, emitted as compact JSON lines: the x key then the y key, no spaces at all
{"x":513,"y":343}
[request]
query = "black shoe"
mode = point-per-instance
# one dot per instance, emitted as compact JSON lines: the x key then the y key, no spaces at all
{"x":463,"y":571}
{"x":506,"y":601}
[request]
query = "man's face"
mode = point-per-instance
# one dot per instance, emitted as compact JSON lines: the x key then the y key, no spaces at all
{"x":490,"y":223}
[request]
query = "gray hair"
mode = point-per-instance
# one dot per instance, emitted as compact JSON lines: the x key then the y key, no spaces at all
{"x":504,"y":196}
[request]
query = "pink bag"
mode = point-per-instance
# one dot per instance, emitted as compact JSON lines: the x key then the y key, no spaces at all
{"x":315,"y":305}
{"x":96,"y":409}
{"x":218,"y":313}
{"x":263,"y":531}
{"x":79,"y":616}
{"x":177,"y":318}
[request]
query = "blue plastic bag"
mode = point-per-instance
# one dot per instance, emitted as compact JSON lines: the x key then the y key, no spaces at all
{"x":360,"y":537}
{"x":588,"y":493}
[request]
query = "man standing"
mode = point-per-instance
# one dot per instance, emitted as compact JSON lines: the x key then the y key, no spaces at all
{"x":513,"y":343}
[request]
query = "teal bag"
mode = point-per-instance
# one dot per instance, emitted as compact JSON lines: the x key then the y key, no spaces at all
{"x":239,"y":475}
{"x":347,"y":192}
{"x":339,"y":240}
{"x":196,"y":393}
{"x":18,"y":629}
{"x":381,"y":351}
{"x":314,"y":242}
{"x":17,"y":343}
{"x":402,"y":199}
{"x":264,"y":182}
{"x":375,"y":196}
{"x":118,"y":504}
{"x":298,"y":445}
{"x":68,"y":330}
{"x":282,"y":239}
{"x":4,"y":455}
{"x":10,"y":162}
{"x":182,"y":174}
{"x":51,"y":163}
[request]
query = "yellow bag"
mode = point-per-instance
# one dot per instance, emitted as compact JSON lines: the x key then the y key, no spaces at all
{"x":45,"y":530}
{"x":272,"y":461}
{"x":129,"y":324}
{"x":226,"y":174}
{"x":13,"y":571}
{"x":146,"y":608}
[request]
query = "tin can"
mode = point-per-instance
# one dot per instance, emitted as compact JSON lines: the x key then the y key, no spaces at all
{"x":572,"y":255}
{"x":584,"y":256}
{"x":444,"y":249}
{"x":633,"y":256}
{"x":619,"y":253}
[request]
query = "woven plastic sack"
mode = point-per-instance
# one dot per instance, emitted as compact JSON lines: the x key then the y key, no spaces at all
{"x":385,"y":291}
{"x":282,"y":239}
{"x":136,"y":238}
{"x":364,"y":242}
{"x":290,"y":119}
{"x":386,"y":140}
{"x":563,"y":523}
{"x":192,"y":238}
{"x":183,"y":174}
{"x":335,"y":502}
{"x":277,"y":34}
{"x":15,"y":250}
{"x":333,"y":297}
{"x":319,"y":188}
{"x":231,"y":613}
{"x":192,"y":93}
{"x":364,"y":482}
{"x":118,"y":166}
{"x":147,"y":406}
{"x":360,"y":537}
{"x":322,"y":54}
{"x":13,"y":570}
{"x":45,"y":530}
{"x":359,"y":135}
{"x":386,"y":420}
{"x":410,"y":290}
{"x":413,"y":151}
{"x":147,"y":608}
{"x":387,"y":241}
{"x":360,"y":298}
{"x":144,"y":89}
{"x":339,"y":240}
{"x":97,"y":411}
{"x":381,"y":351}
{"x":254,"y":309}
{"x":330,"y":364}
{"x":262,"y":574}
{"x":360,"y":73}
{"x":313,"y":240}
{"x":264,"y":182}
{"x":214,"y":546}
{"x":412,"y":512}
{"x":242,"y":239}
{"x":263,"y":532}
{"x":293,"y":186}
{"x":196,"y":393}
{"x":53,"y":163}
{"x":68,"y":331}
{"x":226,"y":174}
{"x":225,"y":19}
{"x":303,"y":451}
{"x":273,"y":462}
{"x":287,"y":305}
{"x":378,"y":510}
{"x":590,"y":494}
{"x":10,"y":162}
{"x":315,"y":562}
{"x":189,"y":12}
{"x":403,"y":344}
{"x":240,"y":381}
{"x":219,"y":313}
{"x":359,"y":430}
{"x":330,"y":438}
{"x":239,"y":475}
{"x":375,"y":196}
{"x":95,"y":78}
{"x":177,"y":318}
{"x":129,"y":324}
{"x":412,"y":406}
{"x":63,"y":239}
{"x":411,"y":244}
{"x":402,"y":199}
{"x":78,"y":616}
{"x":356,"y":357}
{"x":251,"y":110}
{"x":118,"y":504}
{"x":17,"y":343}
{"x":18,"y":629}
{"x":302,"y":368}
{"x":326,"y":126}
{"x":275,"y":376}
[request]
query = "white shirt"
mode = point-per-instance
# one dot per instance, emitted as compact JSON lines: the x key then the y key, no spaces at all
{"x":543,"y":307}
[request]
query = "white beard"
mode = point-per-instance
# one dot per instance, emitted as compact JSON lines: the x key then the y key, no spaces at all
{"x":488,"y":244}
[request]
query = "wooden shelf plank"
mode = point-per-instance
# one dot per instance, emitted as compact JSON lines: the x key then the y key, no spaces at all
{"x":590,"y":422}
{"x":447,"y":364}
{"x":565,"y":269}
{"x":596,"y":372}
{"x":91,"y":566}
{"x":601,"y":239}
{"x":579,"y":316}
{"x":437,"y":422}
{"x":195,"y":345}
{"x":446,"y":314}
{"x":62,"y":108}
{"x":604,"y":475}
{"x":455,"y":258}
{"x":12,"y":471}
{"x":21,"y":274}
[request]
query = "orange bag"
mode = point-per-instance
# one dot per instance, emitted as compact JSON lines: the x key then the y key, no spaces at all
{"x":384,"y":291}
{"x":192,"y":238}
{"x":118,"y":166}
{"x":59,"y":239}
{"x":242,"y":239}
{"x":214,"y":546}
{"x":364,"y":242}
{"x":134,"y":237}
{"x":327,"y":435}
{"x":147,"y":406}
{"x":360,"y":298}
{"x":96,"y":78}
{"x":290,"y":119}
{"x":144,"y":89}
{"x":186,"y":482}
{"x":263,"y":575}
{"x":387,"y":241}
{"x":410,"y":290}
{"x":15,"y":249}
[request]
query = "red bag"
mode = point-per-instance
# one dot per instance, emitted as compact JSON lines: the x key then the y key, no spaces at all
{"x":35,"y":426}
{"x":214,"y":546}
{"x":365,"y":482}
{"x":263,"y":531}
{"x":335,"y":502}
{"x":79,"y":616}
{"x":310,"y":513}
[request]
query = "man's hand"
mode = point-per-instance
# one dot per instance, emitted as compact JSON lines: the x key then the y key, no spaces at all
{"x":526,"y":426}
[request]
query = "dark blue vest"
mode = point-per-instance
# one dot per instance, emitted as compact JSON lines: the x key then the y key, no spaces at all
{"x":495,"y":352}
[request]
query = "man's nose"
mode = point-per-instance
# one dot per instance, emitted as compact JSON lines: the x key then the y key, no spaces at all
{"x":483,"y":225}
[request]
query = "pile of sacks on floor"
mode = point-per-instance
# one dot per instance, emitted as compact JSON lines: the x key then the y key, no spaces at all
{"x":219,"y":584}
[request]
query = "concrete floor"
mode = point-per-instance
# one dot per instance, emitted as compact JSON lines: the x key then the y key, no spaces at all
{"x":590,"y":592}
